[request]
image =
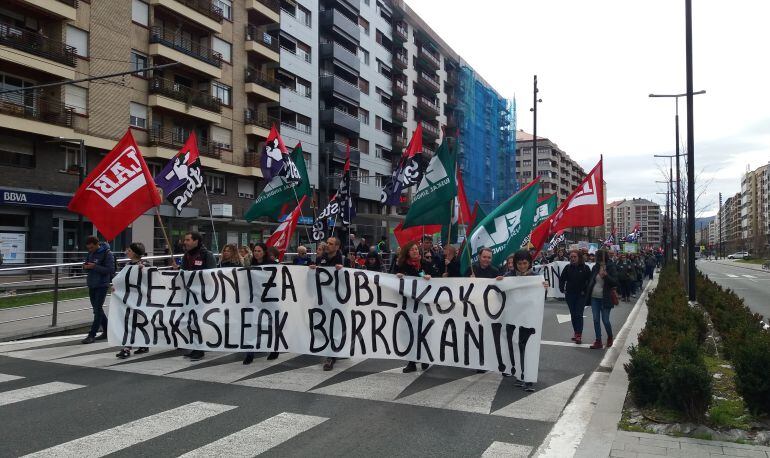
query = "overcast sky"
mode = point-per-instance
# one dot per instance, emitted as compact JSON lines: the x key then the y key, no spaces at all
{"x":597,"y":61}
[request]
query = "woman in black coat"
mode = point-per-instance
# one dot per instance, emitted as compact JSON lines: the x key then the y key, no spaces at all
{"x":604,"y":277}
{"x":261,"y":257}
{"x":411,"y":264}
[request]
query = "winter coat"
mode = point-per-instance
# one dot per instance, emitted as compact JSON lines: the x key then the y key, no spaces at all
{"x":104,"y":267}
{"x":575,"y":278}
{"x":610,"y":281}
{"x":198,"y":259}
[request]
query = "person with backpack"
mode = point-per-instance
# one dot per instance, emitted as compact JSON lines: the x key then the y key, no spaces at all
{"x":134,"y":253}
{"x":100,"y":267}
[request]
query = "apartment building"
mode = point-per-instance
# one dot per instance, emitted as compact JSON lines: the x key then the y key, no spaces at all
{"x":622,"y":216}
{"x":730,"y":224}
{"x":558,"y":173}
{"x":754,"y":202}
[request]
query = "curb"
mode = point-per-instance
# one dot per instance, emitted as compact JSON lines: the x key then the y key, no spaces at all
{"x":44,"y":332}
{"x":734,"y":264}
{"x":589,"y":422}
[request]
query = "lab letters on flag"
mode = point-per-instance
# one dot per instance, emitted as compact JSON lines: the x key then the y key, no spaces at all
{"x":117,"y":191}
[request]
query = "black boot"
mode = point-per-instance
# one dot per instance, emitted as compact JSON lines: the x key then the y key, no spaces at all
{"x":410,"y":367}
{"x":249,"y":358}
{"x":273,"y":355}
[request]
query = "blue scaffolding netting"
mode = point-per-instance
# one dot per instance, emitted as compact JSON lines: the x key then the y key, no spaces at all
{"x":487,"y":141}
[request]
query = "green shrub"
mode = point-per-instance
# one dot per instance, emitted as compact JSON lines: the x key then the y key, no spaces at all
{"x":752,"y":371}
{"x":686,"y":387}
{"x":645,"y":374}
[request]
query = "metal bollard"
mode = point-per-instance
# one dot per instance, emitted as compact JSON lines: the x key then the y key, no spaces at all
{"x":55,"y":310}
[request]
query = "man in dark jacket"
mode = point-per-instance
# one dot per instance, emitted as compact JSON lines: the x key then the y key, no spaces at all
{"x":573,"y":283}
{"x":100,"y":265}
{"x":484,"y":268}
{"x":196,"y":257}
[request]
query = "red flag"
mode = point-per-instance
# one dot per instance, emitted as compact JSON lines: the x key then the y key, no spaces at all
{"x":415,"y":143}
{"x":273,"y":155}
{"x":466,"y":217}
{"x":117,"y":191}
{"x":282,"y":235}
{"x":404,"y":236}
{"x":583,"y":208}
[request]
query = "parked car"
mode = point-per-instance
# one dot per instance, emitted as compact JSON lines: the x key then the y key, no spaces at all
{"x":739,"y":255}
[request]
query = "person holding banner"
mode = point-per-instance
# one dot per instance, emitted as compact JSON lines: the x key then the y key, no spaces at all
{"x":484,"y":268}
{"x":451,"y":262}
{"x":230,"y":256}
{"x":260,"y":257}
{"x":604,"y":277}
{"x":411,"y":264}
{"x":302,"y":258}
{"x":134,"y":253}
{"x":196,"y":257}
{"x":245,"y":253}
{"x":574,"y":282}
{"x":331,"y":257}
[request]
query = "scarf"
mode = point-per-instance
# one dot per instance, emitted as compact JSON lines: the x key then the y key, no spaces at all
{"x":414,"y":263}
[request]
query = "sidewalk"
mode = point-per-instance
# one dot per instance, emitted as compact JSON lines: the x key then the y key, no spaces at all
{"x":602,"y":437}
{"x":35,"y":320}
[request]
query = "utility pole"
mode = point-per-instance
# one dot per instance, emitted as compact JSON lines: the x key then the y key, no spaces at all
{"x":719,"y":217}
{"x":690,"y":155}
{"x":535,"y":101}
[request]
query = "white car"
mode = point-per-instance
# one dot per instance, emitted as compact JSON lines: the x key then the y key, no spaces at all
{"x":739,"y":255}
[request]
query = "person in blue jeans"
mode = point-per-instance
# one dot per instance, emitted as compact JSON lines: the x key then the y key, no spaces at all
{"x":100,"y":266}
{"x":604,"y":277}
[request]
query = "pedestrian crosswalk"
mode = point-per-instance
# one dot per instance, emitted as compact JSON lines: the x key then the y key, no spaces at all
{"x":368,"y":379}
{"x":262,"y":435}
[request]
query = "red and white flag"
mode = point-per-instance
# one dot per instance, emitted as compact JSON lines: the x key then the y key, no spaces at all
{"x":464,"y":210}
{"x":117,"y":191}
{"x":282,"y":235}
{"x":583,"y":208}
{"x":404,"y":236}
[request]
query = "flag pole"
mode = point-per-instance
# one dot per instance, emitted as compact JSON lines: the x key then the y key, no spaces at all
{"x":294,"y":188}
{"x":165,"y":235}
{"x":211,"y":218}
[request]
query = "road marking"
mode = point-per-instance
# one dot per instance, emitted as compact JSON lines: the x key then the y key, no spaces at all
{"x":545,"y":405}
{"x":505,"y":449}
{"x":36,"y":391}
{"x":380,"y":386}
{"x":135,"y":432}
{"x":301,"y":379}
{"x":230,"y":372}
{"x":8,"y":377}
{"x":259,"y":438}
{"x":732,"y":276}
{"x":563,"y":344}
{"x":749,"y":276}
{"x":468,"y":394}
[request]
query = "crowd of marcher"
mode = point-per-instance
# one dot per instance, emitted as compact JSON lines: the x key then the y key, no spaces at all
{"x":595,"y":287}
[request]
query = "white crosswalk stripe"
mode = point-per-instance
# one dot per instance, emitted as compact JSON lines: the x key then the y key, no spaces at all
{"x":749,"y":276}
{"x":732,"y":276}
{"x":544,"y":405}
{"x":120,"y":437}
{"x":8,"y":377}
{"x":508,"y":450}
{"x":469,"y":394}
{"x":259,"y":438}
{"x":36,"y":391}
{"x":302,"y":379}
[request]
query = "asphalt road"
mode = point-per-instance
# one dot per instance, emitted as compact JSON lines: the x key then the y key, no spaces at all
{"x":58,"y":397}
{"x":750,"y":284}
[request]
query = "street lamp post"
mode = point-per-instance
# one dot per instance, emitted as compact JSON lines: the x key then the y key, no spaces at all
{"x":670,"y":185}
{"x":535,"y":101}
{"x":666,"y":236}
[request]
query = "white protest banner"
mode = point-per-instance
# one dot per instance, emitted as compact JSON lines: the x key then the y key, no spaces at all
{"x":552,"y":274}
{"x":348,"y":313}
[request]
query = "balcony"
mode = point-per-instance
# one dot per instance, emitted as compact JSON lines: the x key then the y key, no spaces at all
{"x":338,"y":152}
{"x":258,"y":123}
{"x":451,"y":100}
{"x":427,"y":107}
{"x":258,"y":40}
{"x":399,"y":114}
{"x":428,"y":59}
{"x":201,"y":12}
{"x":40,"y":110}
{"x":33,"y":46}
{"x":400,"y":32}
{"x":179,"y":48}
{"x":429,"y":83}
{"x":262,"y":84}
{"x":430,"y":132}
{"x":341,"y":55}
{"x":175,"y":139}
{"x":401,"y":60}
{"x":62,"y":9}
{"x":270,"y":9}
{"x":400,"y":88}
{"x":399,"y":144}
{"x":334,"y":84}
{"x":181,"y":99}
{"x":335,"y":20}
{"x":341,"y":119}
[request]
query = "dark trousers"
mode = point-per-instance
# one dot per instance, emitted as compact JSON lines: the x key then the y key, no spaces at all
{"x":576,"y":302}
{"x":648,"y":271}
{"x":97,"y":296}
{"x":625,"y":289}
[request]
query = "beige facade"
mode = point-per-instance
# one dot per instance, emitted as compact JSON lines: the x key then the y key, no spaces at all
{"x":622,"y":216}
{"x":754,"y":204}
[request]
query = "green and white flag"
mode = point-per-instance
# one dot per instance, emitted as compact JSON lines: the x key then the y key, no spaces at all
{"x":504,"y":228}
{"x":544,"y":209}
{"x":437,"y":189}
{"x":280,"y":191}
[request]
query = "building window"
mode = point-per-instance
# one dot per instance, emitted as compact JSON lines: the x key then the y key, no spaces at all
{"x":308,"y":160}
{"x":78,"y":39}
{"x":378,"y":123}
{"x":71,"y":157}
{"x":245,"y":188}
{"x":221,"y":137}
{"x":363,"y":116}
{"x":138,"y":62}
{"x":76,"y":97}
{"x":363,"y":56}
{"x":379,"y":180}
{"x":17,"y":152}
{"x":227,"y":8}
{"x":303,"y":87}
{"x":222,"y":92}
{"x":140,"y":12}
{"x":363,"y":145}
{"x":215,"y":184}
{"x":224,"y":48}
{"x":363,"y":176}
{"x":363,"y":24}
{"x":363,"y":85}
{"x":138,"y":117}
